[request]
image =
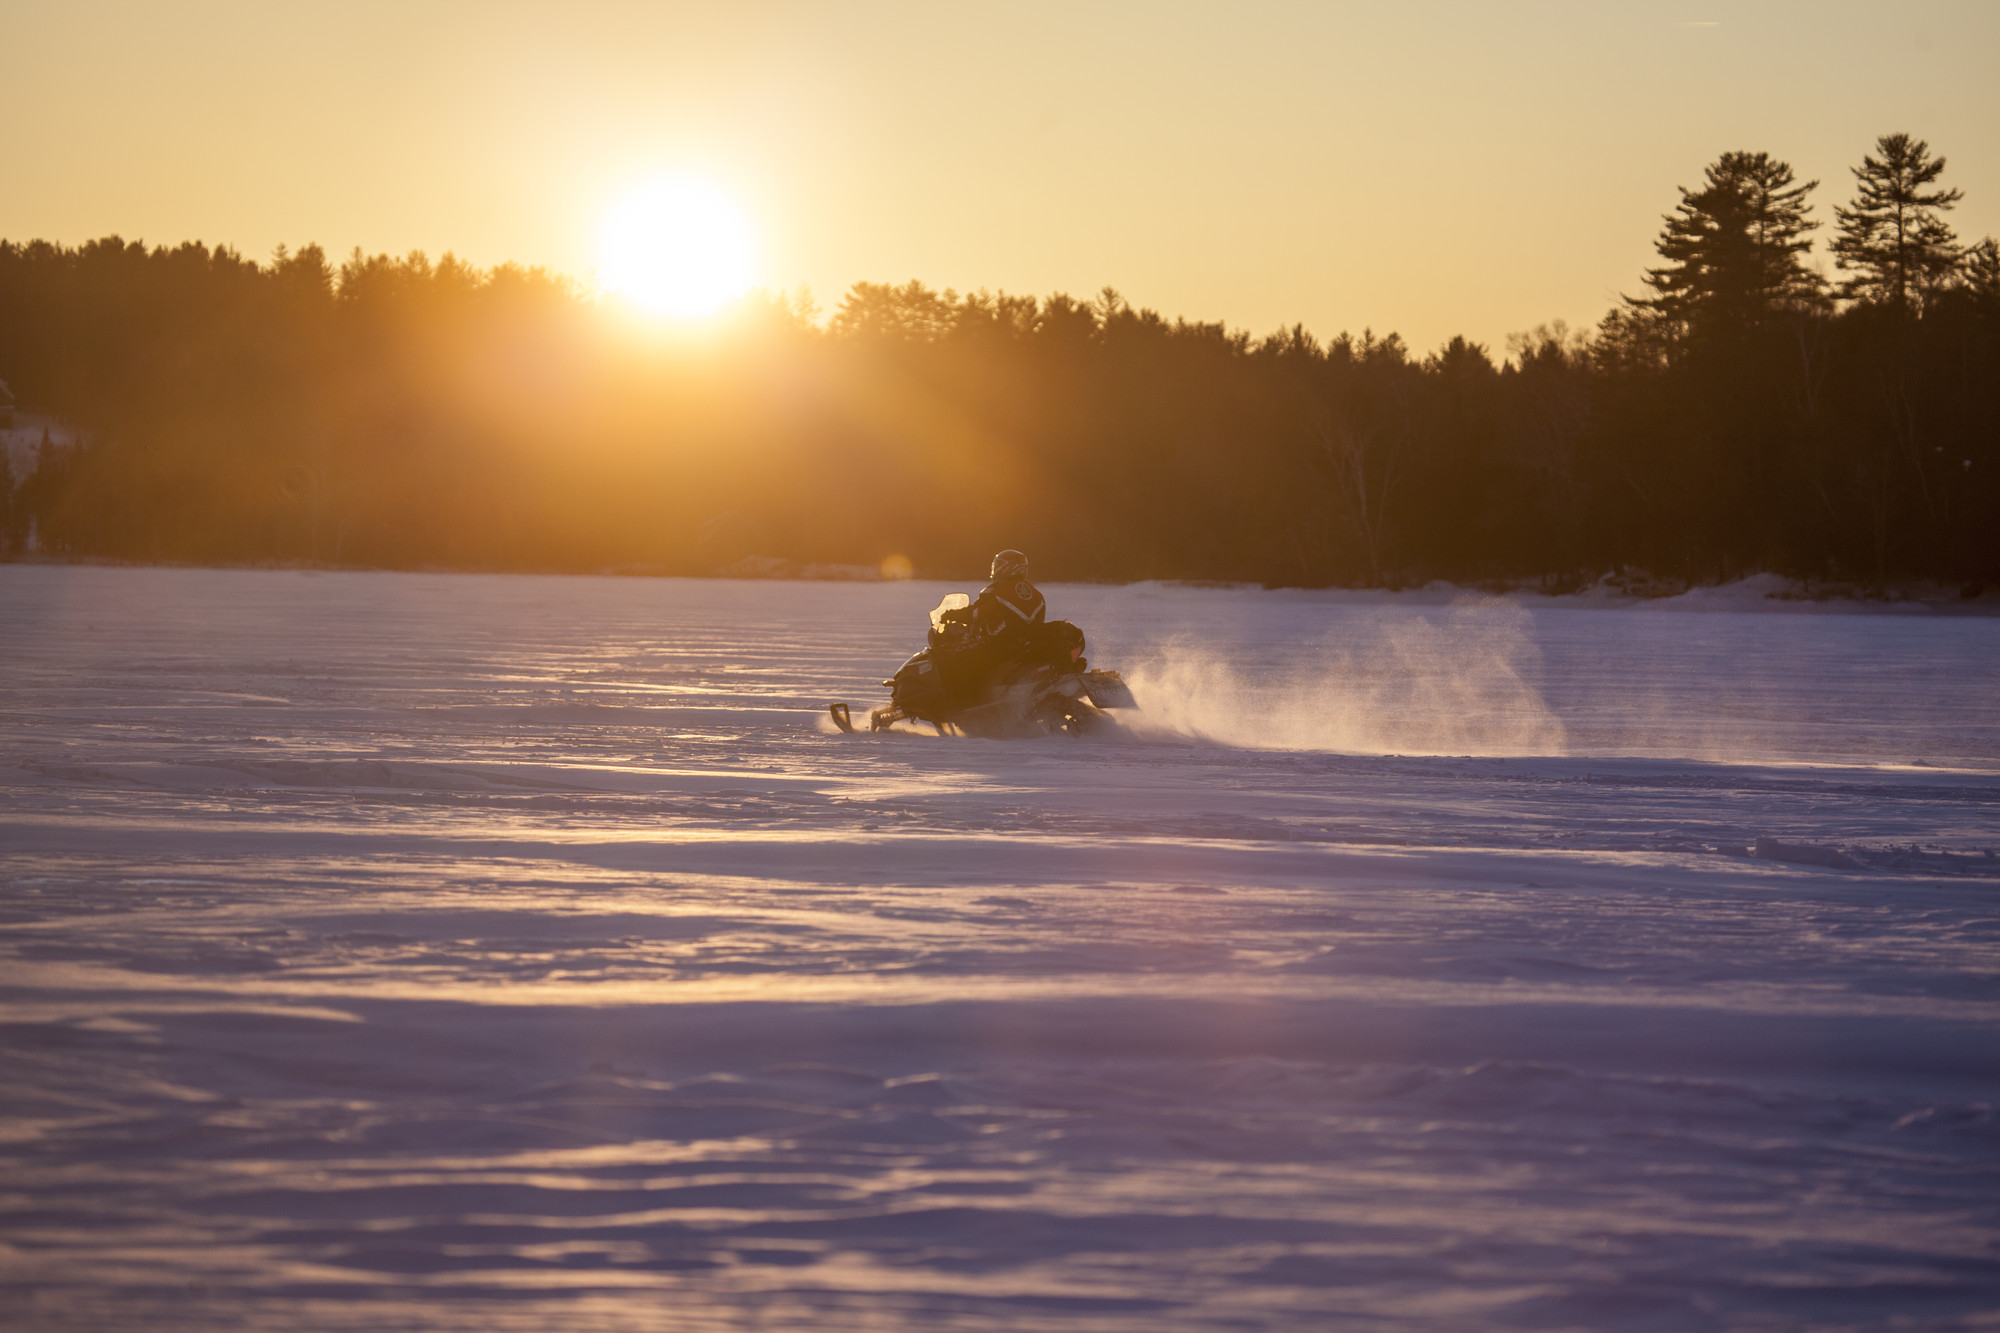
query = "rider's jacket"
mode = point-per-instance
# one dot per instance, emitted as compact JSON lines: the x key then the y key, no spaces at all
{"x":1008,"y":608}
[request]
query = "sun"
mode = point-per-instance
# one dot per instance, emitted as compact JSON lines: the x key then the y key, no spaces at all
{"x":676,"y":248}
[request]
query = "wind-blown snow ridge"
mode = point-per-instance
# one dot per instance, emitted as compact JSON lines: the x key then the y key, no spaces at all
{"x":461,"y":952}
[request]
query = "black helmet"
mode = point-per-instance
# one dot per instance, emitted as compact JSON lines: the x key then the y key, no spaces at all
{"x":1009,"y":565}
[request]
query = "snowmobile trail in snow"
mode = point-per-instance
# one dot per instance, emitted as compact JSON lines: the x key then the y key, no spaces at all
{"x":385,"y":951}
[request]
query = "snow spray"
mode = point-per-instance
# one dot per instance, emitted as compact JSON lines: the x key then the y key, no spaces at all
{"x":1455,"y":679}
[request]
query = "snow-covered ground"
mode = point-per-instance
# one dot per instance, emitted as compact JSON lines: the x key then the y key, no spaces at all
{"x":492,"y":953}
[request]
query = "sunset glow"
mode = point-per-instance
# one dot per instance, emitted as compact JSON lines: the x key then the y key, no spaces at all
{"x":678,"y":249}
{"x":1109,"y":668}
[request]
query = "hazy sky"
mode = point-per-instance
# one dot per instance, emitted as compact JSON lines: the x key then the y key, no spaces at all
{"x":1429,"y":168}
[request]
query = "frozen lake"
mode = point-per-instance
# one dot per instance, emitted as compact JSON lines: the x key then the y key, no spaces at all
{"x":505,"y":954}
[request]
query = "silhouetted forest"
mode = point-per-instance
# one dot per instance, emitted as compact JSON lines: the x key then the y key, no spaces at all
{"x":1742,"y":412}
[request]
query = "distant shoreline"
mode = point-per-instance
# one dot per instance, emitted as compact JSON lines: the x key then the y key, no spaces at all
{"x":1762,"y":591}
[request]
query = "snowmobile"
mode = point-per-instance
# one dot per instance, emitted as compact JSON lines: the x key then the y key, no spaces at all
{"x":1045,"y":686}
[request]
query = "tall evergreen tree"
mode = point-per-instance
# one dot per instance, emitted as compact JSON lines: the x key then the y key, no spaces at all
{"x":1895,"y":239}
{"x":1979,"y":267}
{"x":1735,"y":247}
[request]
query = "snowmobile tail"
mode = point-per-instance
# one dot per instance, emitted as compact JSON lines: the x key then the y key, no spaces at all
{"x":1107,"y":689}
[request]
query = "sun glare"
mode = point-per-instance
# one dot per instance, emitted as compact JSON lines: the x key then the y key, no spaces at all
{"x":678,"y":249}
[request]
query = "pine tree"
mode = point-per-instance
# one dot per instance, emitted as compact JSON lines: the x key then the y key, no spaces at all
{"x":1895,"y":239}
{"x":1734,"y":248}
{"x":1979,"y":268}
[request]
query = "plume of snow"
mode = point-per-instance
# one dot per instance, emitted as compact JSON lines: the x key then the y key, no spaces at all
{"x":1456,"y":679}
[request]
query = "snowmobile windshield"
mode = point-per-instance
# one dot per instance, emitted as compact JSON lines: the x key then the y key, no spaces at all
{"x":953,"y":601}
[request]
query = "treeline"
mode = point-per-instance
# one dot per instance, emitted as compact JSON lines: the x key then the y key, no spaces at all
{"x":1742,"y":413}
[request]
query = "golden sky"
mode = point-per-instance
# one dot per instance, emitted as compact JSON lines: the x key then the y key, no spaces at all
{"x":1431,"y":168}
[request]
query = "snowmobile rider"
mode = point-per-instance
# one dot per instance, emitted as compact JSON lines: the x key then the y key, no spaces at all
{"x":1009,"y":607}
{"x":1004,"y":617}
